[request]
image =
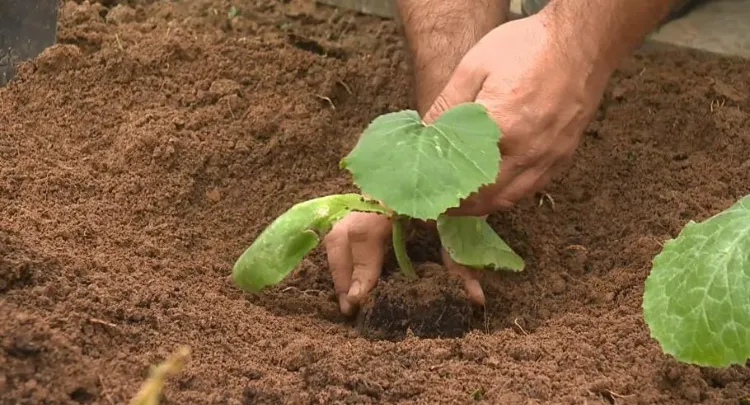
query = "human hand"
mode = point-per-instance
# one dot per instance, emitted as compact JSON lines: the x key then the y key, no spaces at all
{"x":541,"y":92}
{"x":356,"y":248}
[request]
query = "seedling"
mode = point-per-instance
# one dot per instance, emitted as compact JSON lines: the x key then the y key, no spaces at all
{"x":408,"y":169}
{"x":696,"y":300}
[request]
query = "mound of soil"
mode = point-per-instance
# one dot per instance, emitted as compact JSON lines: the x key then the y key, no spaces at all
{"x":143,"y":153}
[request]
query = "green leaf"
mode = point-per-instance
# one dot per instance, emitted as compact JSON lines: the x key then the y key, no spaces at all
{"x":422,"y":170}
{"x":696,"y":300}
{"x":284,"y":243}
{"x":471,"y":241}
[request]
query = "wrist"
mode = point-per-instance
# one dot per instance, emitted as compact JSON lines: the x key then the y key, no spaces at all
{"x":438,"y":34}
{"x":602,"y":32}
{"x":430,"y":73}
{"x":588,"y":56}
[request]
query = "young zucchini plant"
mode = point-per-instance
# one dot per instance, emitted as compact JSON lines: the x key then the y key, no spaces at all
{"x":408,"y":170}
{"x":696,"y":300}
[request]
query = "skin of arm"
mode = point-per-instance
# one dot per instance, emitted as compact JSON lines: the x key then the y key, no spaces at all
{"x":438,"y":34}
{"x":603,"y":32}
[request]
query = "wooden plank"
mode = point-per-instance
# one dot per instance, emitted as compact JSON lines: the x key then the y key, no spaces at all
{"x":387,"y":8}
{"x":718,"y":26}
{"x":380,"y":8}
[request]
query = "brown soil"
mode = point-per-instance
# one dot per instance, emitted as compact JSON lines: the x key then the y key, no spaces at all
{"x":142,"y":154}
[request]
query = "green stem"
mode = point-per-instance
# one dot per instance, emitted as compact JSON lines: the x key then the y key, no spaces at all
{"x":399,"y":248}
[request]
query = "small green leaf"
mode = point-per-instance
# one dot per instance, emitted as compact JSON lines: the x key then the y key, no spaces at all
{"x":284,"y":243}
{"x":422,"y":170}
{"x":696,"y":300}
{"x":471,"y":241}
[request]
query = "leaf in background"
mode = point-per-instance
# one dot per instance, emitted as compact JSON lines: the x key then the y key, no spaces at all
{"x":697,"y":297}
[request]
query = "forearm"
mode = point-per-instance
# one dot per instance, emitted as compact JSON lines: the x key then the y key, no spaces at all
{"x":603,"y":31}
{"x":438,"y":34}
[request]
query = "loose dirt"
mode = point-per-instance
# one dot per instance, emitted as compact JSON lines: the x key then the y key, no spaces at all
{"x":143,"y":153}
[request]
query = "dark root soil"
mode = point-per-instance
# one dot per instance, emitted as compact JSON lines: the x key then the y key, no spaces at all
{"x":143,"y":153}
{"x":433,"y":306}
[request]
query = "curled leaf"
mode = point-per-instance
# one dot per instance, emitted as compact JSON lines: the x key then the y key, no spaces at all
{"x":284,"y":243}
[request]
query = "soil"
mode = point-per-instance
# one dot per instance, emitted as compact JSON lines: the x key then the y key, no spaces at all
{"x":143,"y":153}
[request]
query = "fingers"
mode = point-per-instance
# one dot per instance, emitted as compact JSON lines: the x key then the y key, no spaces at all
{"x":475,"y":205}
{"x":516,"y":189}
{"x":340,"y":263}
{"x":469,"y":276}
{"x":495,"y":197}
{"x":355,"y":248}
{"x":463,"y":86}
{"x":367,"y":240}
{"x":513,"y":184}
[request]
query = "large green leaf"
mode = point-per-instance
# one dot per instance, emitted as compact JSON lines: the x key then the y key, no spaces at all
{"x":283,"y":244}
{"x":472,"y":242}
{"x":422,"y":170}
{"x":697,"y":297}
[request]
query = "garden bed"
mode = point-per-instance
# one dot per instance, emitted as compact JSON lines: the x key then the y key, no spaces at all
{"x":141,"y":155}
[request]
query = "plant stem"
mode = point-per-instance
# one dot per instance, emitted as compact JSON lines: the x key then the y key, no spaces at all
{"x":399,"y":248}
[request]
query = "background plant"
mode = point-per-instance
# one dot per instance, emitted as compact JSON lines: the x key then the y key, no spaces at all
{"x":696,"y":300}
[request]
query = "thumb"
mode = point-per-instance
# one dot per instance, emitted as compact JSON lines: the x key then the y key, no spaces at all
{"x":463,"y":86}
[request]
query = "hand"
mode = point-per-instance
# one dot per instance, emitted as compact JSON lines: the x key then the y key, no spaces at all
{"x":356,"y":247}
{"x":541,"y":93}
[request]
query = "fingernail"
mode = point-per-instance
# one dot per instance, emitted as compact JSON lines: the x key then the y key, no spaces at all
{"x":355,"y":290}
{"x":476,"y":295}
{"x":344,"y":304}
